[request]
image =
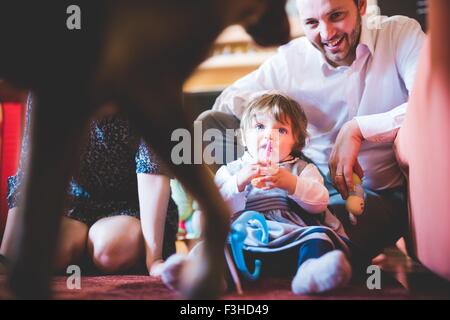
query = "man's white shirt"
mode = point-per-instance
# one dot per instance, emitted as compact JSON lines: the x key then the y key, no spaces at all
{"x":374,"y":90}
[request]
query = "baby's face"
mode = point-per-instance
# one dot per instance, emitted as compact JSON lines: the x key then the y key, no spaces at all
{"x":265,"y":128}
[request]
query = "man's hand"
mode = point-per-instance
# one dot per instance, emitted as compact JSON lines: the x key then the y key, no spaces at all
{"x":343,"y":159}
{"x":246,"y":174}
{"x":282,"y":179}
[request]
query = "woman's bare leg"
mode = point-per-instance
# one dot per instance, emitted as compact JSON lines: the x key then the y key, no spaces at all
{"x":7,"y":235}
{"x":116,"y":243}
{"x":57,"y":128}
{"x":72,"y":243}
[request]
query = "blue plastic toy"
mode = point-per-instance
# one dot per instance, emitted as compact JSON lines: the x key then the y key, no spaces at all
{"x":237,"y":237}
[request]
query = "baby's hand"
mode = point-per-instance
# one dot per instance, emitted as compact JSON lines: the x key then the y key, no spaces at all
{"x":282,"y":179}
{"x":266,"y":169}
{"x":246,"y":174}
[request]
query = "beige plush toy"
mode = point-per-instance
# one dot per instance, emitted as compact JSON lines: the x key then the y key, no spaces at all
{"x":355,"y":200}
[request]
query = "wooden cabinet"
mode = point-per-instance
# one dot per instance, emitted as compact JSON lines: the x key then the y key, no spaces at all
{"x":234,"y":56}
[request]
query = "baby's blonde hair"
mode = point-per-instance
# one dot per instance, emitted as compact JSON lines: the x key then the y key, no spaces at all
{"x":281,"y":108}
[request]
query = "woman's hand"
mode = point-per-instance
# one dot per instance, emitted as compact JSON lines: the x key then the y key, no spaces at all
{"x":246,"y":174}
{"x":156,"y":267}
{"x":282,"y":179}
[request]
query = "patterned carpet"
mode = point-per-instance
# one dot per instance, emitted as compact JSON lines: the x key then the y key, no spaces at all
{"x":401,"y":278}
{"x":140,"y":287}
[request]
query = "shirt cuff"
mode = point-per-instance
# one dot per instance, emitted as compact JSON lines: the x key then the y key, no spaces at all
{"x":381,"y":127}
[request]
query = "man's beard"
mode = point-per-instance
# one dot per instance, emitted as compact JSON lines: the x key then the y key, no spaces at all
{"x":353,"y":41}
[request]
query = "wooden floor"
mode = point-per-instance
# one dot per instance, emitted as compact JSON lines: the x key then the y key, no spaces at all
{"x":401,"y":279}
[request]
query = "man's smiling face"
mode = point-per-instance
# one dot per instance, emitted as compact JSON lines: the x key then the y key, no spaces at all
{"x":333,"y":27}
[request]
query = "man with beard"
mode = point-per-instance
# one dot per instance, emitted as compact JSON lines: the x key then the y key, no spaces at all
{"x":353,"y":78}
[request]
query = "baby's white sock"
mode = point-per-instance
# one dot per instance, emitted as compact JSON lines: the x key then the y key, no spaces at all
{"x":330,"y":271}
